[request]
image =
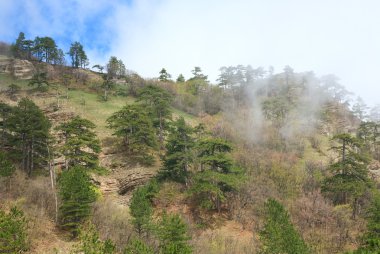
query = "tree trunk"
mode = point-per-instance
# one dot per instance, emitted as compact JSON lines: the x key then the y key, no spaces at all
{"x":52,"y":181}
{"x":161,"y":137}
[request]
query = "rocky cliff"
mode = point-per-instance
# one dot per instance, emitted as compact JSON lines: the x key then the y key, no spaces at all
{"x":20,"y":69}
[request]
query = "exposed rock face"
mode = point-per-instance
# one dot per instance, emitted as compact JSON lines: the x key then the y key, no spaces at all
{"x":21,"y":69}
{"x":5,"y":65}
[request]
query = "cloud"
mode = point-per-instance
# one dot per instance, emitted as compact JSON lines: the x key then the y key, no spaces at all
{"x":339,"y":37}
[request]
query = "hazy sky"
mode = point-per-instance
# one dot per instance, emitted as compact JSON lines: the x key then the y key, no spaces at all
{"x":325,"y":36}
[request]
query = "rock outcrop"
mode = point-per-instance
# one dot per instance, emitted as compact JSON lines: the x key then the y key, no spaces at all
{"x":20,"y":69}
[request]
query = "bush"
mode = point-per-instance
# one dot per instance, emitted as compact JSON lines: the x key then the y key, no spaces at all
{"x":13,"y":236}
{"x":136,"y":246}
{"x":90,"y":242}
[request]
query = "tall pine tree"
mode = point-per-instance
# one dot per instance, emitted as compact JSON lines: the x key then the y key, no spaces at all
{"x":77,"y":194}
{"x":135,"y":127}
{"x":176,"y":162}
{"x":30,"y":129}
{"x":349,"y":174}
{"x":157,"y":101}
{"x":217,"y":174}
{"x":80,"y":143}
{"x":279,"y":235}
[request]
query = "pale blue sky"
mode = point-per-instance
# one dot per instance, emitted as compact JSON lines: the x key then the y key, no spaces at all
{"x":326,"y":36}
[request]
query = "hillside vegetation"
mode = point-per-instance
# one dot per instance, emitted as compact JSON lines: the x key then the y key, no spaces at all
{"x":106,"y":161}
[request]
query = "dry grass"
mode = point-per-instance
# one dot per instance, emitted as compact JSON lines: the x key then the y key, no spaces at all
{"x":112,"y":221}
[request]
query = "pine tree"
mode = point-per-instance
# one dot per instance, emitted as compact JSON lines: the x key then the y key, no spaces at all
{"x":77,"y":194}
{"x":30,"y":128}
{"x":134,"y":126}
{"x":279,"y":235}
{"x":349,"y":178}
{"x":369,"y":133}
{"x":178,"y":156}
{"x":371,"y":239}
{"x":78,"y":55}
{"x":80,"y":143}
{"x":39,"y":79}
{"x":13,"y":231}
{"x":6,"y":168}
{"x":157,"y":100}
{"x":137,"y":246}
{"x":217,"y":175}
{"x":180,"y":78}
{"x":164,"y":75}
{"x":172,"y":233}
{"x":5,"y":113}
{"x":141,"y":210}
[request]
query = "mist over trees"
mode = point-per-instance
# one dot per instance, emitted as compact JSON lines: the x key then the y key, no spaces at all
{"x":286,"y":160}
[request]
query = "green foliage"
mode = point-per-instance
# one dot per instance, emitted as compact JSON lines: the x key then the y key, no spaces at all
{"x":173,"y":236}
{"x":279,"y":235}
{"x":115,"y":68}
{"x":141,"y":207}
{"x":276,"y":109}
{"x":217,"y":175}
{"x":77,"y":193}
{"x":80,"y":143}
{"x":90,"y":242}
{"x":78,"y":55}
{"x":349,"y":178}
{"x":157,"y":101}
{"x":180,"y":78}
{"x":13,"y":89}
{"x":371,"y":240}
{"x":39,"y":79}
{"x":30,"y":129}
{"x":164,"y":75}
{"x":6,"y":167}
{"x":369,"y":133}
{"x":135,"y":127}
{"x":13,"y":235}
{"x":137,"y":246}
{"x":178,"y":152}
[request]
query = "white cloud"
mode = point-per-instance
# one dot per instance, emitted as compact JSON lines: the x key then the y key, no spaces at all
{"x":339,"y":37}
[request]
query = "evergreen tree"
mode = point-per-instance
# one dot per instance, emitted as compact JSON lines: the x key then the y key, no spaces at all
{"x":134,"y":126}
{"x":22,"y":48}
{"x":77,"y":194}
{"x":349,"y":178}
{"x":80,"y":143}
{"x":360,"y":109}
{"x":180,"y":78}
{"x":369,"y":133}
{"x":178,"y":156}
{"x":141,"y":210}
{"x":217,"y":175}
{"x":13,"y":234}
{"x":137,"y":246}
{"x":30,"y":128}
{"x":172,"y":233}
{"x":164,"y":75}
{"x":6,"y":168}
{"x":279,"y":235}
{"x":39,"y":79}
{"x":5,"y":113}
{"x":197,"y":74}
{"x":78,"y":55}
{"x":371,"y":240}
{"x":158,"y":101}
